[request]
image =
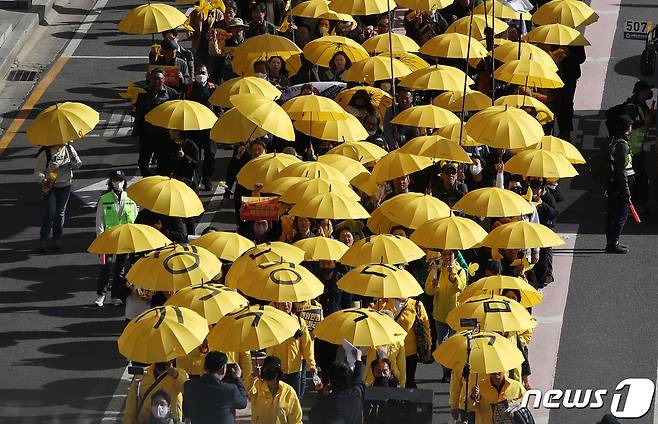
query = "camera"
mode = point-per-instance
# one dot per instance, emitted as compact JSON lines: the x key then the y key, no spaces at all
{"x":133,"y":370}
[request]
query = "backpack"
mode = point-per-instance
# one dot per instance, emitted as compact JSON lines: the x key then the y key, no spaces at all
{"x":600,"y":163}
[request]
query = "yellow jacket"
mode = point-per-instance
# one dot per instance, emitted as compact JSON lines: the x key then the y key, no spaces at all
{"x":192,"y":363}
{"x":447,"y":290}
{"x":406,"y":319}
{"x":458,"y":389}
{"x":284,"y":408}
{"x":172,"y":386}
{"x":395,"y":353}
{"x":489,"y":398}
{"x":294,"y":349}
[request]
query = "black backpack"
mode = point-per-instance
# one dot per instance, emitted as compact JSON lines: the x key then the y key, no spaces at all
{"x":600,"y":164}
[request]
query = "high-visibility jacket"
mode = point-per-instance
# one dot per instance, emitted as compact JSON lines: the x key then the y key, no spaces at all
{"x":116,"y":210}
{"x":174,"y":387}
{"x":282,"y":408}
{"x":639,"y":134}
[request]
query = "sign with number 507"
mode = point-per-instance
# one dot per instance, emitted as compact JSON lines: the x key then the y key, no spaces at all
{"x":637,"y":30}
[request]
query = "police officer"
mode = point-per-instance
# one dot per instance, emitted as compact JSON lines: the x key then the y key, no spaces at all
{"x":114,"y":208}
{"x":643,"y":118}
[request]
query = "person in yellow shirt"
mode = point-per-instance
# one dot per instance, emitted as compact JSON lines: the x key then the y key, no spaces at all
{"x":458,"y":396}
{"x":492,"y":396}
{"x":398,"y":362}
{"x":243,"y":361}
{"x":292,"y":351}
{"x":520,"y":339}
{"x":445,"y":281}
{"x":159,"y":376}
{"x":272,"y":400}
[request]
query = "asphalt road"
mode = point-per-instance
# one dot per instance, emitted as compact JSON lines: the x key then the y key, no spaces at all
{"x":60,"y":362}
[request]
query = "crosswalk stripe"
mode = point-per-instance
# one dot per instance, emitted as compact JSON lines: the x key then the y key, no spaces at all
{"x":111,"y":125}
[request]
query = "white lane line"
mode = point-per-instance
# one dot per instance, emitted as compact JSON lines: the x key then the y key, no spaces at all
{"x":655,"y":399}
{"x":116,"y":405}
{"x":84,"y":28}
{"x":107,"y":57}
{"x":111,"y":125}
{"x":126,"y":126}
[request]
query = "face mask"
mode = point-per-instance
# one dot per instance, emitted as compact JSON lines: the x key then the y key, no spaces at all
{"x":475,"y":169}
{"x":259,"y":230}
{"x":201,"y":79}
{"x":160,"y":411}
{"x":117,"y":186}
{"x":268,"y":374}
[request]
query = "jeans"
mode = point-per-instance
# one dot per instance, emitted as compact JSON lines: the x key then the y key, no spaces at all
{"x":617,"y":216}
{"x":54,"y":211}
{"x":295,"y":380}
{"x":115,"y":265}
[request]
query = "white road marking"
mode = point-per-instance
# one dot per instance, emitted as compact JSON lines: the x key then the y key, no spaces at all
{"x":111,"y":126}
{"x":655,"y":399}
{"x":116,"y":405}
{"x":84,"y":28}
{"x":126,"y":126}
{"x":211,"y":208}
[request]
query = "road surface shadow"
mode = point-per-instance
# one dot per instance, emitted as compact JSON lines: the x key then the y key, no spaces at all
{"x":55,"y":283}
{"x":76,"y":356}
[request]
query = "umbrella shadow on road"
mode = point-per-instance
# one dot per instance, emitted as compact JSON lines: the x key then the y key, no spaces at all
{"x":78,"y":356}
{"x":55,"y":283}
{"x":131,"y":42}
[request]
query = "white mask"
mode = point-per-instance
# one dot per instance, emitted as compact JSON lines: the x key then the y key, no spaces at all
{"x":201,"y":79}
{"x":160,"y":411}
{"x":117,"y":186}
{"x":475,"y":169}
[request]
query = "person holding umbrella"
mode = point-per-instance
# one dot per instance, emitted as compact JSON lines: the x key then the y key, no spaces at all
{"x":492,"y":396}
{"x":272,"y":400}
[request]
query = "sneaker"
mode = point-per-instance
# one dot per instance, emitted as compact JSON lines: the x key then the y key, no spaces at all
{"x":99,"y":300}
{"x":116,"y":301}
{"x":617,"y":248}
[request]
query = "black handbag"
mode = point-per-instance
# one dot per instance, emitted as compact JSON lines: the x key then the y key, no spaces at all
{"x":522,"y":416}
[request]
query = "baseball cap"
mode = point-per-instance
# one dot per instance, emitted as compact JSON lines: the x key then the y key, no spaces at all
{"x":236,"y":22}
{"x":272,"y":362}
{"x":449,"y":167}
{"x":167,"y":44}
{"x":642,"y":85}
{"x":117,"y":174}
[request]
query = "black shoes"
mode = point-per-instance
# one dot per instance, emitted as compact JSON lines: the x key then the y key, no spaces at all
{"x":616,"y":248}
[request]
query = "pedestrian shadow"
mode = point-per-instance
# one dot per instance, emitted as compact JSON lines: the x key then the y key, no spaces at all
{"x":131,"y":42}
{"x":100,"y":92}
{"x":134,"y":67}
{"x":12,"y":338}
{"x":63,"y":10}
{"x":103,"y":328}
{"x":67,"y":279}
{"x":629,"y":66}
{"x":83,"y":355}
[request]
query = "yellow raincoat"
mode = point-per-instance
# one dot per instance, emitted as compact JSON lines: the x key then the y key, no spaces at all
{"x":170,"y":385}
{"x":449,"y":285}
{"x":283,"y":408}
{"x":458,"y":389}
{"x":491,"y":402}
{"x":406,"y":319}
{"x":292,"y":351}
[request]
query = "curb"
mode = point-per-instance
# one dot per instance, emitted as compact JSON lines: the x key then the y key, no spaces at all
{"x":16,"y":40}
{"x":42,"y":8}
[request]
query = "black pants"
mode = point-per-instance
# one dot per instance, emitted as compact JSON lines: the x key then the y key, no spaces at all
{"x":325,"y":355}
{"x":208,"y":149}
{"x":544,"y":267}
{"x":412,"y":363}
{"x":148,"y":146}
{"x":617,"y":216}
{"x":115,"y":265}
{"x":564,"y":113}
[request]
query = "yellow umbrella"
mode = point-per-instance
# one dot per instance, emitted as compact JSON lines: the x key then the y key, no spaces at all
{"x":411,"y":210}
{"x":379,"y":223}
{"x":62,"y":123}
{"x":362,"y":7}
{"x":301,"y":192}
{"x":243,"y":85}
{"x":452,"y":233}
{"x":452,"y":101}
{"x":383,"y":248}
{"x":424,"y":5}
{"x":128,"y":238}
{"x":527,"y":72}
{"x":543,"y":114}
{"x":287,"y":251}
{"x":380,"y":281}
{"x":452,"y":132}
{"x":397,"y":164}
{"x":264,"y":114}
{"x":562,"y":147}
{"x":266,"y":46}
{"x":490,"y":352}
{"x":510,"y":51}
{"x":314,"y":108}
{"x":151,"y":18}
{"x":262,"y":253}
{"x":232,"y":127}
{"x":522,"y":235}
{"x":493,"y":313}
{"x":244,"y":65}
{"x":348,"y":167}
{"x":321,"y":50}
{"x":426,"y":116}
{"x":310,"y":9}
{"x":335,"y":16}
{"x":480,"y":22}
{"x":226,"y":246}
{"x":503,"y":127}
{"x":281,"y":185}
{"x":437,"y":77}
{"x":541,"y":164}
{"x":363,"y":151}
{"x":493,"y":202}
{"x":321,"y":248}
{"x":264,"y":168}
{"x":280,"y":282}
{"x":185,"y":115}
{"x":453,"y":45}
{"x":360,"y":327}
{"x":329,"y":205}
{"x":365,"y":183}
{"x":496,"y":284}
{"x":376,"y":68}
{"x":175,"y":267}
{"x":162,"y":334}
{"x":437,"y":148}
{"x":253,"y":328}
{"x":500,"y":10}
{"x":313,"y":170}
{"x":381,"y":43}
{"x":350,"y":129}
{"x":557,"y":35}
{"x":212,"y":301}
{"x":413,"y":61}
{"x":378,"y":97}
{"x":166,"y":196}
{"x":572,"y":13}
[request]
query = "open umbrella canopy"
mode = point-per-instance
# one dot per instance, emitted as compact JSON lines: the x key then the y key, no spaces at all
{"x":452,"y":101}
{"x":413,"y":61}
{"x":226,"y":246}
{"x":451,"y":233}
{"x":424,"y":5}
{"x":252,"y":328}
{"x":365,"y":183}
{"x":264,"y":168}
{"x":173,"y":268}
{"x":490,"y":352}
{"x":166,"y":196}
{"x":350,"y":129}
{"x":314,"y":108}
{"x":572,"y":13}
{"x":425,"y":116}
{"x":376,"y":68}
{"x":303,"y":191}
{"x":232,"y":127}
{"x":347,"y":166}
{"x":493,"y":313}
{"x":212,"y":301}
{"x":437,"y":148}
{"x":437,"y":77}
{"x":310,"y":9}
{"x":264,"y":114}
{"x":262,"y":253}
{"x":496,"y":284}
{"x":562,"y":147}
{"x":480,"y":23}
{"x":360,"y":327}
{"x":321,"y":248}
{"x":493,"y":202}
{"x":62,"y":123}
{"x":162,"y":334}
{"x":454,"y":45}
{"x":363,"y":151}
{"x":266,"y":46}
{"x":321,"y":50}
{"x":521,"y":235}
{"x":151,"y":18}
{"x":380,"y":281}
{"x":243,"y":85}
{"x":452,"y":132}
{"x":383,"y":248}
{"x":362,"y":7}
{"x":556,"y":35}
{"x":500,"y":10}
{"x":329,"y":205}
{"x":527,"y":72}
{"x":411,"y":210}
{"x":379,"y":223}
{"x":280,"y":282}
{"x":128,"y":238}
{"x":510,"y":51}
{"x":243,"y":65}
{"x":381,"y":43}
{"x":503,"y":127}
{"x":313,"y":170}
{"x":378,"y":97}
{"x":281,"y":185}
{"x":540,"y":163}
{"x":397,"y":164}
{"x":184,"y":115}
{"x":541,"y":112}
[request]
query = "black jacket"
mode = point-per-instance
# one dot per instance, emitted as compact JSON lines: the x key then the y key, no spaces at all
{"x":620,"y":183}
{"x":345,"y":407}
{"x":208,"y":400}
